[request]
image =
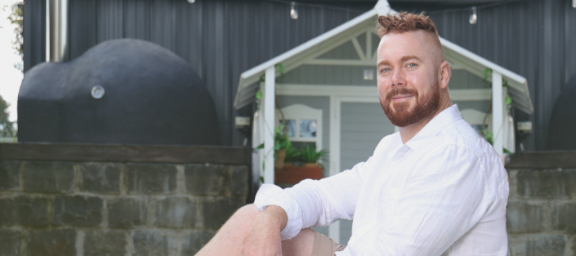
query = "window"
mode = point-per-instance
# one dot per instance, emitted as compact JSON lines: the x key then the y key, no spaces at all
{"x":303,"y":125}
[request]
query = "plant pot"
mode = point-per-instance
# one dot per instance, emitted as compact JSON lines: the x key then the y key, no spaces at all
{"x":280,"y":157}
{"x":293,"y":174}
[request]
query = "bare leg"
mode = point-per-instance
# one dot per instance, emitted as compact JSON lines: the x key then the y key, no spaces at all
{"x":229,"y":239}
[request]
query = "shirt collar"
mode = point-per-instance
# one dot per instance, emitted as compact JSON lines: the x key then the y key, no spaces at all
{"x":447,"y":117}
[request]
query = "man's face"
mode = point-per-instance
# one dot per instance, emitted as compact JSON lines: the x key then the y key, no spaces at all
{"x":408,"y":84}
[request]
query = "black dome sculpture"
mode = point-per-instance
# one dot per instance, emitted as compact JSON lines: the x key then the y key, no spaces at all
{"x":150,"y":96}
{"x":562,"y":126}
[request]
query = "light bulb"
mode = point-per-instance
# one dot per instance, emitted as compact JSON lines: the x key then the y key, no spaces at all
{"x":293,"y":11}
{"x":474,"y":16}
{"x":191,"y":1}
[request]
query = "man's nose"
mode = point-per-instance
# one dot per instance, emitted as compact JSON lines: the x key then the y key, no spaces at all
{"x":398,"y":78}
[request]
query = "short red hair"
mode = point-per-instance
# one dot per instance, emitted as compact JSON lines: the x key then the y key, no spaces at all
{"x":404,"y":22}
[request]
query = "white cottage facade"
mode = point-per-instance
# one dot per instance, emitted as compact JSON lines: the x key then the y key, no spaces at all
{"x":328,"y":95}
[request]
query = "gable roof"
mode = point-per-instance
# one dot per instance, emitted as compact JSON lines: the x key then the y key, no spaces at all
{"x":248,"y":86}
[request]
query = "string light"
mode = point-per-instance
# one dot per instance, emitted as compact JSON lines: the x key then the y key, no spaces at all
{"x":474,"y":16}
{"x":294,"y":12}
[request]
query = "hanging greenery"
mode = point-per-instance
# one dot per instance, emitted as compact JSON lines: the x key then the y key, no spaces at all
{"x":487,"y":134}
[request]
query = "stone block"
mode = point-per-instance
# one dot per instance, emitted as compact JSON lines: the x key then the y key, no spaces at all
{"x":192,"y":243}
{"x":571,"y":181}
{"x":105,"y":243}
{"x":48,"y":177}
{"x":25,"y":211}
{"x":10,"y":241}
{"x":540,"y":245}
{"x":61,"y":242}
{"x":77,"y":211}
{"x":213,"y":180}
{"x":10,"y":175}
{"x":103,"y":178}
{"x":6,"y":212}
{"x":240,"y":180}
{"x":151,"y":178}
{"x":153,"y":242}
{"x":126,"y":212}
{"x":523,"y":217}
{"x":543,"y":184}
{"x":176,"y":212}
{"x":216,"y":212}
{"x":564,"y":217}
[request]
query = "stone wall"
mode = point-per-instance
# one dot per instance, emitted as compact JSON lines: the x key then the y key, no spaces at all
{"x":153,"y":207}
{"x":86,"y":200}
{"x":542,"y":204}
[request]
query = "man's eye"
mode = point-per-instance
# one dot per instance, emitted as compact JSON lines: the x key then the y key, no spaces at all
{"x":411,"y":65}
{"x":384,"y":70}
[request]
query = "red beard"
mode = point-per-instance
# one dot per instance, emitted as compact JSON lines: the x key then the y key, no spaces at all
{"x":402,"y":114}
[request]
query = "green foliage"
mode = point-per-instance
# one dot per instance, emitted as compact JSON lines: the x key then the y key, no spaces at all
{"x":292,"y":155}
{"x":281,"y":139}
{"x":489,"y":136}
{"x":310,"y":155}
{"x":6,"y":127}
{"x":279,"y":69}
{"x":17,"y":18}
{"x":487,"y":73}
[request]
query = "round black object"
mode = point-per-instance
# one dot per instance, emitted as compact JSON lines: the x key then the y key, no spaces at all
{"x":119,"y":92}
{"x":562,"y":126}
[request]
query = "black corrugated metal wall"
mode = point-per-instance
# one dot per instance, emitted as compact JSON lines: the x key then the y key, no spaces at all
{"x":221,"y":39}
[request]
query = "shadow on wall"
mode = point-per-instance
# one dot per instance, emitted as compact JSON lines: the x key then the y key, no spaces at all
{"x":562,"y":127}
{"x":120,"y":91}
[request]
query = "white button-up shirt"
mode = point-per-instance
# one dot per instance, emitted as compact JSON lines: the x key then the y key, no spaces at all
{"x":444,"y":192}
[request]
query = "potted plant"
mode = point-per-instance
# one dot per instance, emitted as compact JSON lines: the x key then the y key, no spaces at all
{"x":309,"y":168}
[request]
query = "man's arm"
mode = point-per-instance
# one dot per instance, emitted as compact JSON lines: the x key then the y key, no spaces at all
{"x":264,"y":235}
{"x":314,"y":202}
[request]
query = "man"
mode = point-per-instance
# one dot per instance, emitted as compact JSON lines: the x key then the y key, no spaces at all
{"x":434,"y":188}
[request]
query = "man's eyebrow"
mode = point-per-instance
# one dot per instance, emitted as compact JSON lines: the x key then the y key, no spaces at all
{"x":403,"y":59}
{"x":410,"y":57}
{"x":384,"y":62}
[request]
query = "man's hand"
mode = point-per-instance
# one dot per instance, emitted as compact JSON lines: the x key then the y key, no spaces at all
{"x":263,"y":239}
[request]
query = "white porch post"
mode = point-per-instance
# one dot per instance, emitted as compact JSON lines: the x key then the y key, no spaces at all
{"x":269,"y":101}
{"x":334,"y":228}
{"x":497,"y":113}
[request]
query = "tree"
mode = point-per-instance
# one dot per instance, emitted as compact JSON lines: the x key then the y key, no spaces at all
{"x":17,"y":18}
{"x":6,"y":127}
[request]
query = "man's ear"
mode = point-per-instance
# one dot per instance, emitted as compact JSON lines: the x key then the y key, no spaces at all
{"x":445,"y":74}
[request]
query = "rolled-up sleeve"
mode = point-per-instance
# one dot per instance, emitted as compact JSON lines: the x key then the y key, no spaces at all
{"x":314,"y":202}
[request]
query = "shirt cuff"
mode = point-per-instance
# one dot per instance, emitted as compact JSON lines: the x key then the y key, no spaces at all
{"x":270,"y":194}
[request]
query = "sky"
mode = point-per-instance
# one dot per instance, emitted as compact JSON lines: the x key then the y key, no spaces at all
{"x":10,"y":77}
